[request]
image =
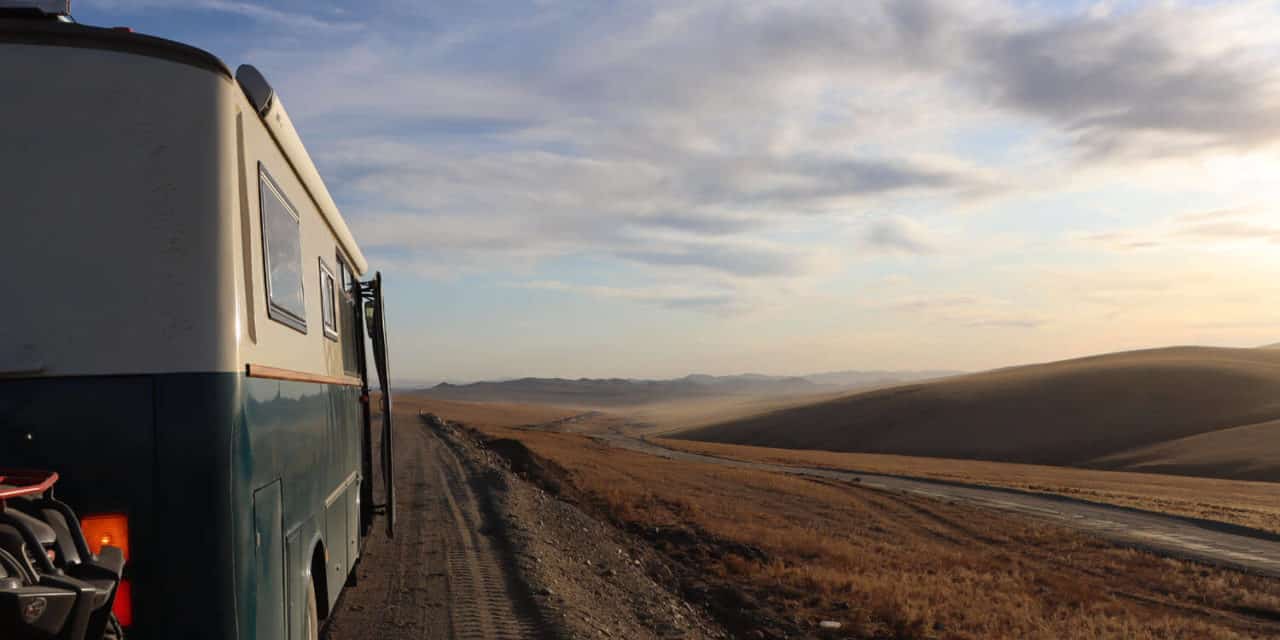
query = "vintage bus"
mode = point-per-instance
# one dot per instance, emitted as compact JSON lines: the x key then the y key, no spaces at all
{"x":186,"y":334}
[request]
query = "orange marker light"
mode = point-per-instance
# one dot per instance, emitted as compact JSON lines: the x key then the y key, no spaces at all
{"x":106,"y":530}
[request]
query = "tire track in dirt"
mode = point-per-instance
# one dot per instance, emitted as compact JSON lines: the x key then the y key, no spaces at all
{"x":483,"y":605}
{"x":444,"y":575}
{"x":402,"y":590}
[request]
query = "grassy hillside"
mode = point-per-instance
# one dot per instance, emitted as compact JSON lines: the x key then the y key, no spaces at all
{"x":1197,"y":410}
{"x":1251,"y":452}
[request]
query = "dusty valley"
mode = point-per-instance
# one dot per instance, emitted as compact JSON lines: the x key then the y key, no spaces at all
{"x":596,"y":541}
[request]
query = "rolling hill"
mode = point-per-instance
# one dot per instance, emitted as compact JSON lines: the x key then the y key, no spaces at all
{"x":1192,"y":410}
{"x":625,"y":392}
{"x":616,"y":392}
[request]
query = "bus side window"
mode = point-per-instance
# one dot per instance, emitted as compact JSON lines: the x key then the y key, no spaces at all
{"x":328,"y":303}
{"x":348,"y":314}
{"x":282,"y":253}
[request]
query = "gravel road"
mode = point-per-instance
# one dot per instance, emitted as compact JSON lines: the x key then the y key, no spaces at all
{"x":1205,"y":541}
{"x":444,"y":575}
{"x":480,"y":552}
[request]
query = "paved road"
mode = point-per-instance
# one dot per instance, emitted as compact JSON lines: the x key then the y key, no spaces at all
{"x":1215,"y":543}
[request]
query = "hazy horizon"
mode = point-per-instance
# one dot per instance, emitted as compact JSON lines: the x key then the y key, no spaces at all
{"x":573,"y":189}
{"x":409,"y":382}
{"x":460,"y":381}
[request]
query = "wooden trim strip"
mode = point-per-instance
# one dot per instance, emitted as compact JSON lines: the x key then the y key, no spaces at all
{"x":260,"y":371}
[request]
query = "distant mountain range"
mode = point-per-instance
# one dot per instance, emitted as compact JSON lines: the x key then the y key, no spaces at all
{"x":628,"y":392}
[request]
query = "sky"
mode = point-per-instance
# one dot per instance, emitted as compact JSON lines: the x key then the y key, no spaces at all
{"x":648,"y":189}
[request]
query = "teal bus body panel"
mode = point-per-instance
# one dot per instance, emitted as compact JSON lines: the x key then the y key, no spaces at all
{"x":284,"y":442}
{"x":194,"y":517}
{"x":268,"y":604}
{"x":266,"y":607}
{"x":183,"y":455}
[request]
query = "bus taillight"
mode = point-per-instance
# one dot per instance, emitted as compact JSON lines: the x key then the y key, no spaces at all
{"x":123,"y":606}
{"x":112,"y":530}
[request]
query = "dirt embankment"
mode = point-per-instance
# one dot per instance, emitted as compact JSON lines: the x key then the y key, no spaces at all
{"x":673,"y":557}
{"x":589,"y":579}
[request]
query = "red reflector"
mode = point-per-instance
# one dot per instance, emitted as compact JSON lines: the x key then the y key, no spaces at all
{"x":123,"y":606}
{"x":124,"y":29}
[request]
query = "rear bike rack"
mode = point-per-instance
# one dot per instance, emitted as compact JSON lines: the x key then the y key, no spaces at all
{"x":27,"y":503}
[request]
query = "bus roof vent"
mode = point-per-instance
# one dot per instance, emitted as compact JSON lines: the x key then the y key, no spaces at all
{"x":50,"y":8}
{"x":255,"y":87}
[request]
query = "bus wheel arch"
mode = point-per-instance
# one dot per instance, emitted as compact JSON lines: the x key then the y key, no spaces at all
{"x":319,"y":578}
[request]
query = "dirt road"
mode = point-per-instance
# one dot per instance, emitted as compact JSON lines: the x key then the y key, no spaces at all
{"x":1215,"y":543}
{"x":443,"y":576}
{"x":481,"y":552}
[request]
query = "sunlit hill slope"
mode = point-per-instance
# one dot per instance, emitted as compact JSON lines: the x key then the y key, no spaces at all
{"x":1192,"y":410}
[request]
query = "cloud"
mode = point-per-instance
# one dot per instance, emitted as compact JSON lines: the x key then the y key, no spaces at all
{"x":698,"y":222}
{"x":728,"y":139}
{"x":663,"y":216}
{"x":1217,"y":214}
{"x":934,"y":303}
{"x":1142,"y":81}
{"x":1216,"y":228}
{"x":1008,"y":322}
{"x":966,"y":311}
{"x":721,"y":301}
{"x":1232,"y":230}
{"x":1138,"y":81}
{"x":753,"y":260}
{"x":298,"y":18}
{"x":898,"y":235}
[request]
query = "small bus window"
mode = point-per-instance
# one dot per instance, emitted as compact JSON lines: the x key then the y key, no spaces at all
{"x":282,"y":253}
{"x":347,"y":313}
{"x":347,"y":279}
{"x":328,"y":305}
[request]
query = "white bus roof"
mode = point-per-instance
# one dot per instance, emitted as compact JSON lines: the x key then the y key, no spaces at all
{"x":273,"y":114}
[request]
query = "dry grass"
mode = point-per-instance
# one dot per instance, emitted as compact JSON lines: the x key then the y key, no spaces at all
{"x":898,"y":566}
{"x":1249,"y":452}
{"x":1252,"y":504}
